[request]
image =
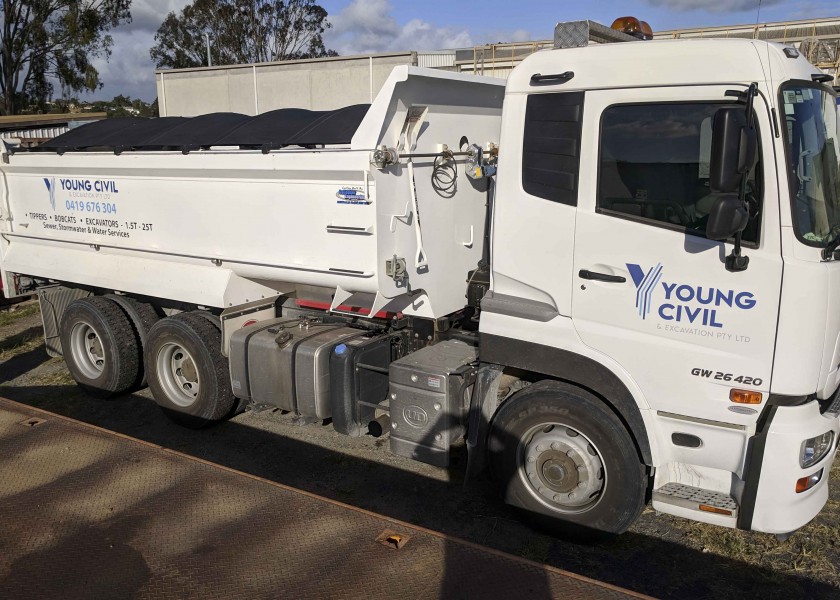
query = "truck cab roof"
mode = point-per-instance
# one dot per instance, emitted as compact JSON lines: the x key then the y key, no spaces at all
{"x":661,"y":63}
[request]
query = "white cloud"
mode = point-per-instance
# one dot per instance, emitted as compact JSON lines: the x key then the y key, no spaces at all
{"x":363,"y":26}
{"x":718,"y":6}
{"x":147,"y":15}
{"x":367,"y":26}
{"x":130,"y":71}
{"x":505,"y":36}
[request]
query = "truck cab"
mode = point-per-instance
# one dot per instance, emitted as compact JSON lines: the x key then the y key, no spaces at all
{"x":603,"y":272}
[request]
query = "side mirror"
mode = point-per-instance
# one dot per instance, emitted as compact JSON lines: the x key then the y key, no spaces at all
{"x":728,"y":216}
{"x":734,"y":149}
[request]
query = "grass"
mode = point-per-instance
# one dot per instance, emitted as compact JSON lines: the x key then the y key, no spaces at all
{"x":810,"y":552}
{"x":17,"y":312}
{"x":20,"y":343}
{"x":58,"y":378}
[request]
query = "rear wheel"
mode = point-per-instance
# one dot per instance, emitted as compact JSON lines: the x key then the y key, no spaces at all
{"x":143,"y":316}
{"x":99,"y":347}
{"x":565,"y":458}
{"x":186,"y":371}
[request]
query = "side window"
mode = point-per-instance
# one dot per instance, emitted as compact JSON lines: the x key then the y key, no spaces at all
{"x":654,"y":166}
{"x":551,"y":146}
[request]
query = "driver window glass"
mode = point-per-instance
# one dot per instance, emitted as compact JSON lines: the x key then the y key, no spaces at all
{"x":654,"y":167}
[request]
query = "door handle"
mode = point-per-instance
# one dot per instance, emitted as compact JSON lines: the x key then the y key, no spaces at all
{"x":595,"y":276}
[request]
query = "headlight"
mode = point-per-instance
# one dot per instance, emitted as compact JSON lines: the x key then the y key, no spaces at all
{"x":814,"y":449}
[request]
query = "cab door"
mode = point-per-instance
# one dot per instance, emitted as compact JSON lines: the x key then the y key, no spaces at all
{"x":652,"y":292}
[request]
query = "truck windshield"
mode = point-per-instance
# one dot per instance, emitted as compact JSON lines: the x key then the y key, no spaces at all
{"x":813,"y":140}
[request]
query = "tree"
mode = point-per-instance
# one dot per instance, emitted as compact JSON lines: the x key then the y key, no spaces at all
{"x":47,"y":41}
{"x":241,"y":31}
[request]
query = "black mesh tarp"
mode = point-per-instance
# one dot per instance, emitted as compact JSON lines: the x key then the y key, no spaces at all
{"x":275,"y":129}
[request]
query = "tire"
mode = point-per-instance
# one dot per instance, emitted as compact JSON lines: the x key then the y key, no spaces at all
{"x":239,"y":405}
{"x":99,"y":347}
{"x":188,"y":376}
{"x":143,"y":316}
{"x":561,"y":455}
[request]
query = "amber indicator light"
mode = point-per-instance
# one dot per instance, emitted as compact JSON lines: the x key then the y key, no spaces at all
{"x":745,"y":396}
{"x":806,"y":483}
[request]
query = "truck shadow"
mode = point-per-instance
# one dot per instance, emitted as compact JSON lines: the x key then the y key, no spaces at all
{"x":423,"y":496}
{"x":24,"y":362}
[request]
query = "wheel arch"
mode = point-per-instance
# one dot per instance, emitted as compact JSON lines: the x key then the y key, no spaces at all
{"x":577,"y":370}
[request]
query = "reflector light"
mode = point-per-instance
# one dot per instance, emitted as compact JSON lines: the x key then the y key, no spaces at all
{"x":249,"y":322}
{"x":806,"y":483}
{"x":745,"y":396}
{"x":715,"y":509}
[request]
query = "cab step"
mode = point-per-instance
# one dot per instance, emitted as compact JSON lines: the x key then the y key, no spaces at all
{"x":692,"y":502}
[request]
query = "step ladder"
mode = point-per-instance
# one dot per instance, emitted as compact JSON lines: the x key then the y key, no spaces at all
{"x":696,"y":503}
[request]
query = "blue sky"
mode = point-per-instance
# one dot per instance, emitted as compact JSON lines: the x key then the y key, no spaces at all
{"x":539,"y":16}
{"x":361,"y":26}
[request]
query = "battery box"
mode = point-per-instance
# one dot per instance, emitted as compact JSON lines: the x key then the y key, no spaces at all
{"x":428,"y":400}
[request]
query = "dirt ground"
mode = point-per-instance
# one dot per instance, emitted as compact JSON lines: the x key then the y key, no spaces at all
{"x":661,"y":556}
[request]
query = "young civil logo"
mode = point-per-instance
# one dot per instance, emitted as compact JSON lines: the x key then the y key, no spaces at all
{"x":50,"y":183}
{"x":685,"y":302}
{"x":645,"y":285}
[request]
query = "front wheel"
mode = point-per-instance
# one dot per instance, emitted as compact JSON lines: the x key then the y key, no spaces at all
{"x":565,"y":458}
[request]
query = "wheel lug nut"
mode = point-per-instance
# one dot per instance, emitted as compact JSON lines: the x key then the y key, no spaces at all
{"x":531,"y":459}
{"x":540,"y":448}
{"x":557,"y":497}
{"x":555,"y":446}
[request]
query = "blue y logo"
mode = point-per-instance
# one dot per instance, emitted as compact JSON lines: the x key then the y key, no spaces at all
{"x":50,"y":183}
{"x":645,"y":284}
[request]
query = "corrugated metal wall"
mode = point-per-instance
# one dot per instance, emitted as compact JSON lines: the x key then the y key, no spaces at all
{"x":436,"y":60}
{"x":319,"y":84}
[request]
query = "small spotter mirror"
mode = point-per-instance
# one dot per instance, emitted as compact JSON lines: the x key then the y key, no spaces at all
{"x":728,"y":217}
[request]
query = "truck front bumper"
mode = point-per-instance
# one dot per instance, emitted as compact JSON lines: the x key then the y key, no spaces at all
{"x":770,"y":501}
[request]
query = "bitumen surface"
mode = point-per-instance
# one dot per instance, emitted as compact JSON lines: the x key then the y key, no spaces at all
{"x":90,"y":513}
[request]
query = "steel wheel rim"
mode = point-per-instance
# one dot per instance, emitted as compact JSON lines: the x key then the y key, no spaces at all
{"x":87,"y":350}
{"x":561,"y":468}
{"x":178,"y":374}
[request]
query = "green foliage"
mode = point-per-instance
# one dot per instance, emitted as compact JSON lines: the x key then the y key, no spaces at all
{"x":53,"y":40}
{"x":241,"y":31}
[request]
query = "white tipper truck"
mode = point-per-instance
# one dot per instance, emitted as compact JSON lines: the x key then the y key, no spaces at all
{"x":617,"y":275}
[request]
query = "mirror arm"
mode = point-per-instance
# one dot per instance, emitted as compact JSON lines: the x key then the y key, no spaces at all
{"x":736,"y":261}
{"x":752,"y":92}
